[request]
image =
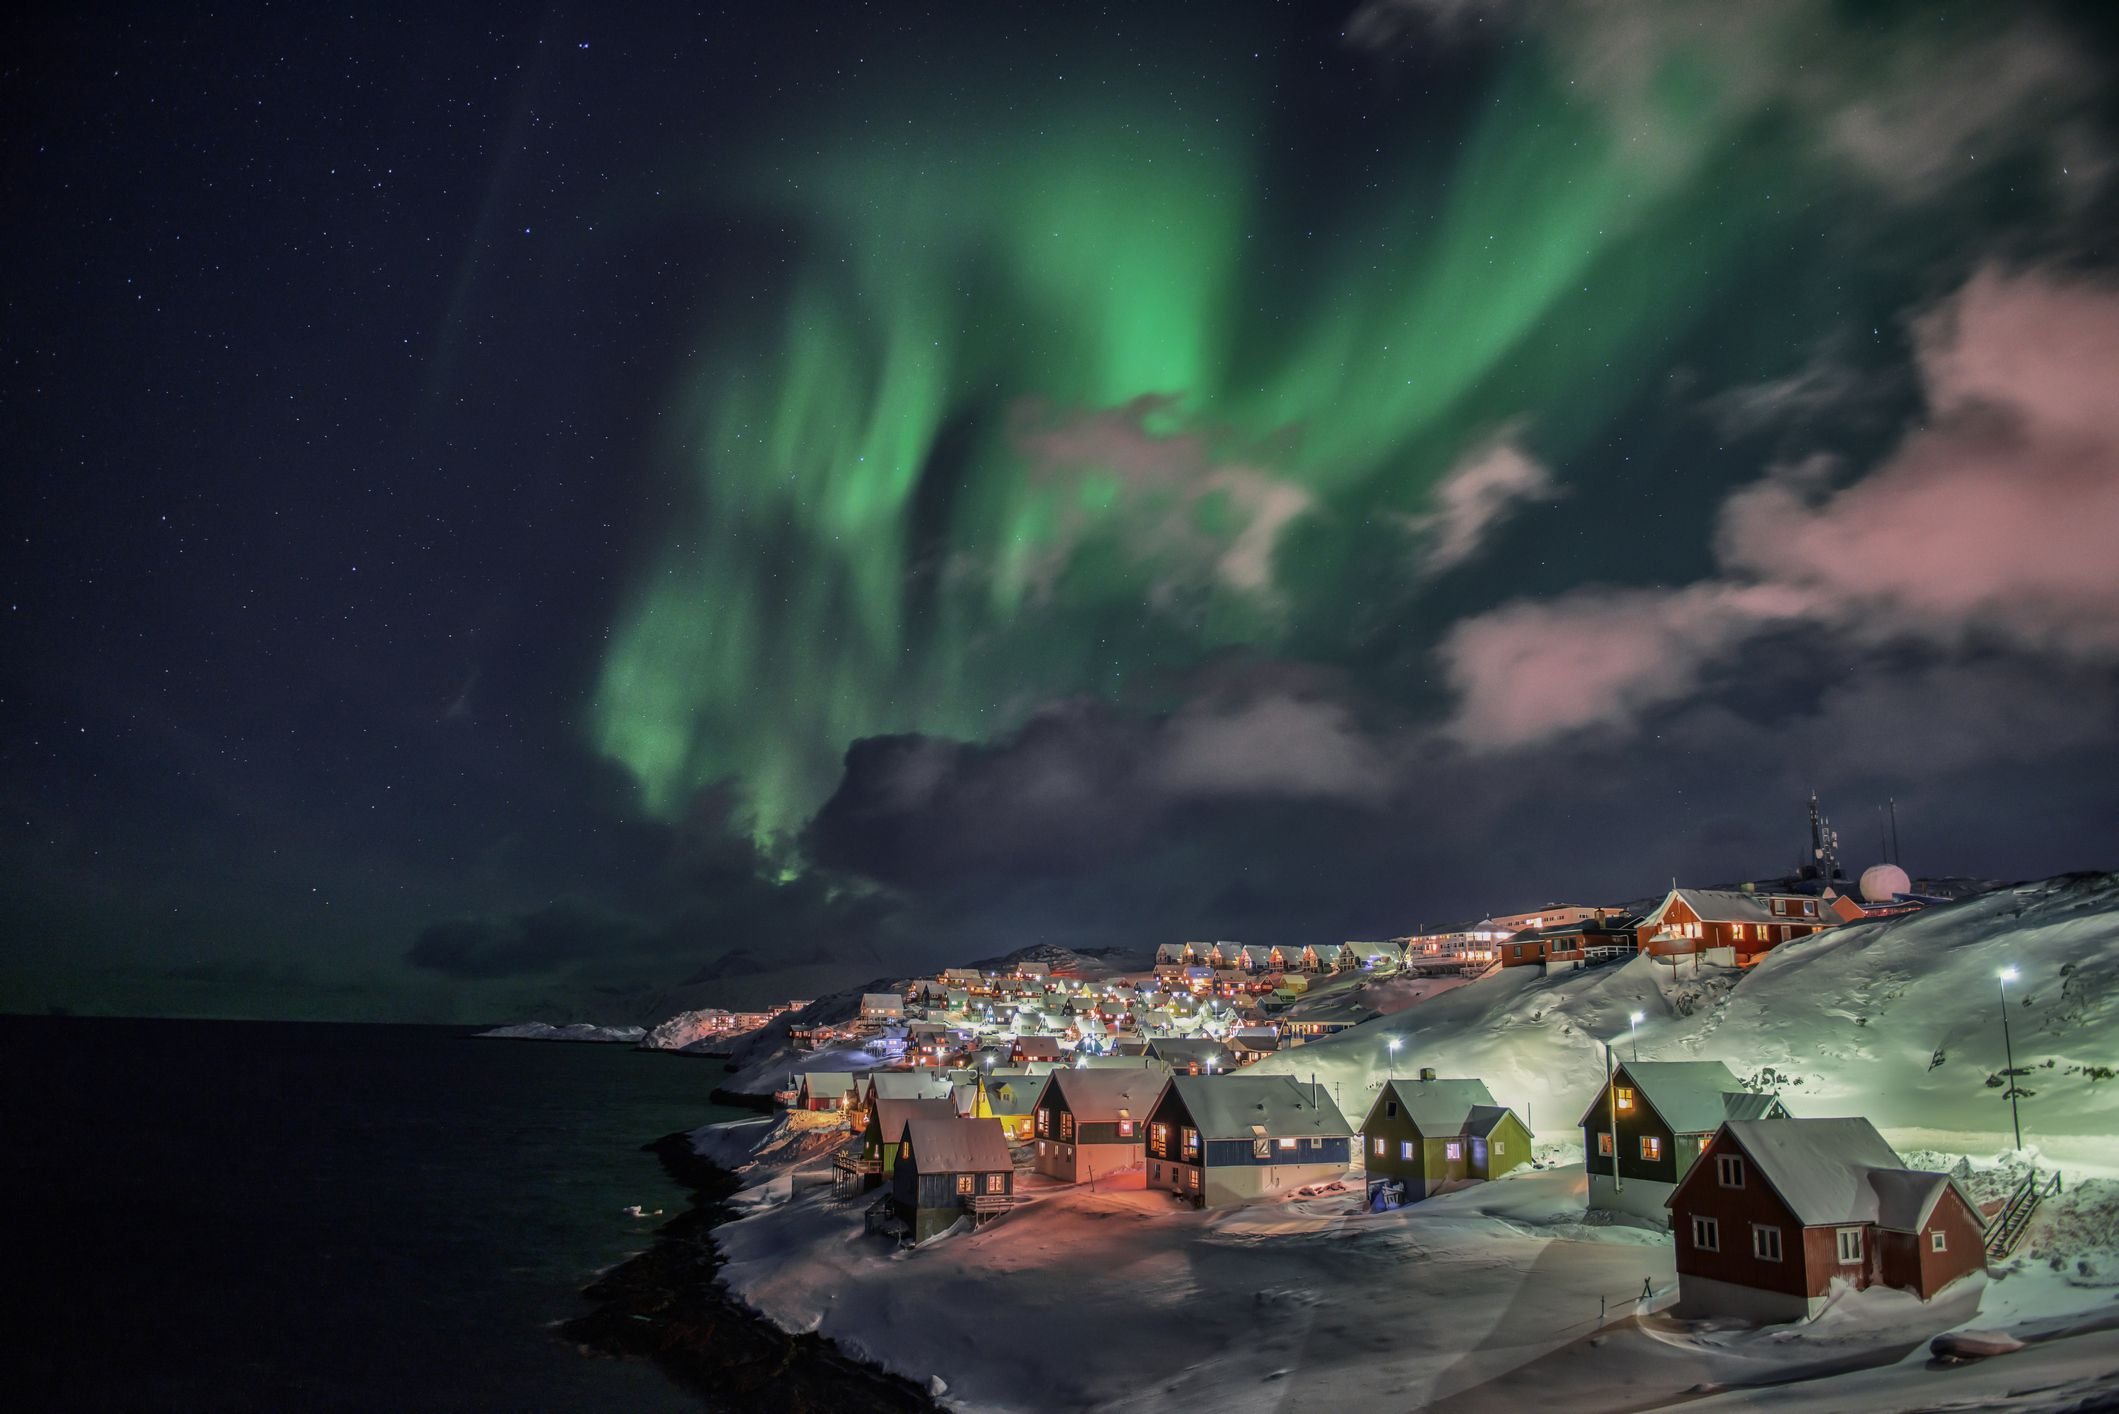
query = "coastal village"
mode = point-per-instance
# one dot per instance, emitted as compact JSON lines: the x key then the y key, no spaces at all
{"x":1289,"y":1090}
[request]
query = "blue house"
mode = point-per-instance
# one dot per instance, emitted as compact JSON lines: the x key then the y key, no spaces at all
{"x":1215,"y":1139}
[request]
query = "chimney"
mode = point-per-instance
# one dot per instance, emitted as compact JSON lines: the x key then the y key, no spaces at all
{"x":1427,"y":1072}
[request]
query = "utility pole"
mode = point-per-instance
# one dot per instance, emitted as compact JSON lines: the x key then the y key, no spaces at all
{"x":2008,"y":1050}
{"x":1618,"y":1182}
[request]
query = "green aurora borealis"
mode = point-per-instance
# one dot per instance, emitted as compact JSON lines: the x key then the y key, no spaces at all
{"x":858,"y":542}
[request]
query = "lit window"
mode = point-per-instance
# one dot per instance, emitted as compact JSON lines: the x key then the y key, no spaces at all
{"x":1453,"y":1150}
{"x":1125,"y":1129}
{"x":1651,"y":1147}
{"x":1736,"y":931}
{"x":1159,"y":1138}
{"x":1938,"y":1241}
{"x":1625,"y":1097}
{"x":1191,"y":1138}
{"x":1066,"y":1126}
{"x":1765,"y":1243}
{"x":996,"y":1183}
{"x":1729,"y":1170}
{"x":1604,"y":1144}
{"x":1405,"y":1148}
{"x":1383,"y":1148}
{"x":1044,"y":1121}
{"x":1192,"y":1177}
{"x":1706,"y":1234}
{"x":1849,"y":1246}
{"x":964,"y":1183}
{"x":1287,"y":1143}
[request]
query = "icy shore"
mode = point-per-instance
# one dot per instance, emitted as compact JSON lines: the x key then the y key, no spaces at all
{"x":573,"y":1031}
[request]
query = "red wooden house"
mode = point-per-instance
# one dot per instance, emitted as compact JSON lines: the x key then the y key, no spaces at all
{"x":1749,"y":925}
{"x":1777,"y":1210}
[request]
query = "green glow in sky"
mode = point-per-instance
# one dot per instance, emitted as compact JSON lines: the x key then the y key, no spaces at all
{"x":867,"y":543}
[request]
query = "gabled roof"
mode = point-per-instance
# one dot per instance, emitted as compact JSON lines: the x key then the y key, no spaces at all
{"x":1039,"y":1045}
{"x":1373,"y":949}
{"x":959,"y":1145}
{"x":1327,"y":949}
{"x":1183,"y":1050}
{"x":1098,"y":1096}
{"x":908,"y":1084}
{"x":1483,"y":1118}
{"x":1836,"y":1171}
{"x":1253,"y":1106}
{"x":1725,"y":906}
{"x":1692,"y":1097}
{"x":1436,"y":1107}
{"x":827,"y":1082}
{"x":893,"y":1115}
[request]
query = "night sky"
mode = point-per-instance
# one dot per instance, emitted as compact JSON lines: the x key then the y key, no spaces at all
{"x":506,"y":510}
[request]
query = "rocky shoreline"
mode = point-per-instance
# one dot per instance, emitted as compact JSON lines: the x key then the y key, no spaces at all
{"x":667,"y":1305}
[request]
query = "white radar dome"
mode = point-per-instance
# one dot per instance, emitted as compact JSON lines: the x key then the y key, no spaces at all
{"x":1880,"y":883}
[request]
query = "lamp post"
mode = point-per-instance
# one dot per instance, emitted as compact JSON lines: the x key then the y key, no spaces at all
{"x":1633,"y":1032}
{"x":2008,"y":975}
{"x":1395,"y":1043}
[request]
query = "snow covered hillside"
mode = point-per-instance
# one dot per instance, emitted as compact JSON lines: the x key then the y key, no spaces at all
{"x":1897,"y":1020}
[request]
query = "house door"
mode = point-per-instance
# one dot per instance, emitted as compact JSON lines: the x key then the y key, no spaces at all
{"x":1478,"y":1156}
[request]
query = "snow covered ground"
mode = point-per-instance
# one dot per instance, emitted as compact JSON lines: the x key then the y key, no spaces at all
{"x":1899,"y":1021}
{"x":1491,"y":1296}
{"x":1509,"y":1293}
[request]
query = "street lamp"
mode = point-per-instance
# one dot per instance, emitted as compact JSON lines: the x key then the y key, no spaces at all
{"x":2008,"y":1050}
{"x":1633,"y":1029}
{"x":1395,"y":1043}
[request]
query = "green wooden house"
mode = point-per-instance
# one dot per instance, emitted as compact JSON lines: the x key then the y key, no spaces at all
{"x":1424,"y":1135}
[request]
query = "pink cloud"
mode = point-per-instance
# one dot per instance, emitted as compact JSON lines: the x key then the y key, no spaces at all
{"x":1481,"y":491}
{"x":1998,"y":516}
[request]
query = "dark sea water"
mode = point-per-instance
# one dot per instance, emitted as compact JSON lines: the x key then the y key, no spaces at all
{"x":261,"y":1215}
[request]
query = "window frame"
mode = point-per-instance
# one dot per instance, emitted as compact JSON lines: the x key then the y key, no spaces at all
{"x":1706,"y":1233}
{"x":1651,"y":1148}
{"x":1760,"y":1235}
{"x":1453,"y":1151}
{"x":1840,"y":1245}
{"x":1622,"y":1097}
{"x":1606,"y":1146}
{"x":1938,"y":1241}
{"x":966,"y":1185}
{"x":1729,"y":1170}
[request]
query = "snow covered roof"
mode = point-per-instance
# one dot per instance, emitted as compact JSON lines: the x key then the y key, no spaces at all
{"x":1437,"y":1107}
{"x":882,"y":1001}
{"x":893,"y":1115}
{"x":1373,"y":950}
{"x":1239,"y":1106}
{"x":1098,"y":1096}
{"x":1725,"y":906}
{"x":1184,"y":1050}
{"x":959,"y":1145}
{"x":1326,"y":949}
{"x":827,"y":1082}
{"x":1831,"y":1171}
{"x":1693,"y":1097}
{"x":908,"y":1084}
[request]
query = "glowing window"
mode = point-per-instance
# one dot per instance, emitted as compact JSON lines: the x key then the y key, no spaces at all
{"x":1405,"y":1149}
{"x":1625,"y":1097}
{"x":1651,"y":1147}
{"x":1383,"y":1147}
{"x":1453,"y":1150}
{"x":1287,"y":1143}
{"x":996,"y":1183}
{"x":964,"y":1183}
{"x":1604,"y":1144}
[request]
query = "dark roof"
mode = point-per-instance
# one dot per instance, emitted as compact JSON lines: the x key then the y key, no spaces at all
{"x":959,"y":1145}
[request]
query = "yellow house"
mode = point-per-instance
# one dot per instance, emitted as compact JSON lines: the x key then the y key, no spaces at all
{"x":1009,"y":1097}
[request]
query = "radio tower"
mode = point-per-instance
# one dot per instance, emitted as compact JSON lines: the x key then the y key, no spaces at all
{"x":1824,"y":844}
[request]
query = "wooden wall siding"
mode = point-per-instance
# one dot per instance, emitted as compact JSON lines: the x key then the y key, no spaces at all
{"x":1737,"y":1209}
{"x":1635,"y":1123}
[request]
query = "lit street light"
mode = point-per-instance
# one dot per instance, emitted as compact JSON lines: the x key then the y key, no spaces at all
{"x":2008,"y":975}
{"x":1633,"y":1028}
{"x":1395,"y":1043}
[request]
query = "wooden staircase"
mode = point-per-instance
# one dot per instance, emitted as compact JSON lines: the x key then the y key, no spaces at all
{"x":2010,"y":1224}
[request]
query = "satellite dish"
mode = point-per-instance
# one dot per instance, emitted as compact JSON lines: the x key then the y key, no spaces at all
{"x":1880,"y":883}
